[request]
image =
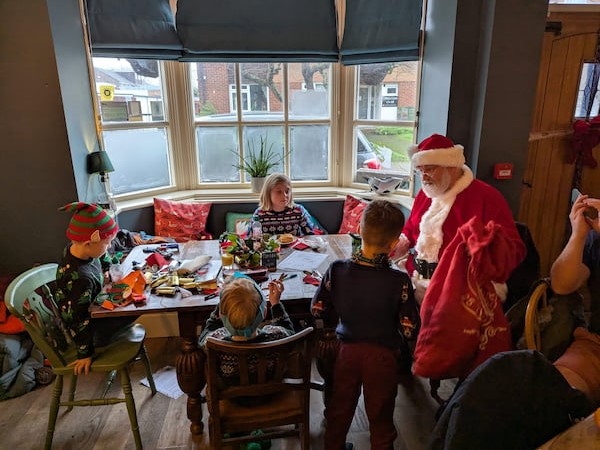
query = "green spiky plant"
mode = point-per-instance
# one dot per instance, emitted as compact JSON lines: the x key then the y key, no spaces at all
{"x":258,"y":163}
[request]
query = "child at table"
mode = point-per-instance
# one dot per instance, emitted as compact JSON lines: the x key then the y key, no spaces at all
{"x":375,"y":311}
{"x":277,"y":212}
{"x":241,"y":309}
{"x":79,"y":280}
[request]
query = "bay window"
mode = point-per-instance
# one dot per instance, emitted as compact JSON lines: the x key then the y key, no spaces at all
{"x":172,"y":126}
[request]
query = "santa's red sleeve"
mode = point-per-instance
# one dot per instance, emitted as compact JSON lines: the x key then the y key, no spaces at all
{"x":462,"y":321}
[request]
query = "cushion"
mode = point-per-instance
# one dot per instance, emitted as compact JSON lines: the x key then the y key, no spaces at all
{"x":580,"y":364}
{"x":182,"y":221}
{"x":353,"y":210}
{"x":237,"y":222}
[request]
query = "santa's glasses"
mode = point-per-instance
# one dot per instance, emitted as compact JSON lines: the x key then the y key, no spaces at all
{"x":427,"y":170}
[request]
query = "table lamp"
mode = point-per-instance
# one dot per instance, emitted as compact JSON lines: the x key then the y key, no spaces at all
{"x":99,"y":162}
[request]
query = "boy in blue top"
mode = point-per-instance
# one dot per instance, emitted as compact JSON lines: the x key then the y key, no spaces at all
{"x":376,"y":314}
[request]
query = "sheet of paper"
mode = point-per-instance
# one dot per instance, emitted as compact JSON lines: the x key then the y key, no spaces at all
{"x":293,"y":287}
{"x":165,"y":380}
{"x":302,"y":260}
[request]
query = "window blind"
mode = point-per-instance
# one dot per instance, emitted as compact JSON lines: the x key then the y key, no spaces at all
{"x":378,"y":31}
{"x":133,"y":29}
{"x":257,"y":30}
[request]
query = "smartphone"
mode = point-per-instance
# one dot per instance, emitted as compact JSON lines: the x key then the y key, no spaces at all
{"x":575,"y":193}
{"x":590,"y":213}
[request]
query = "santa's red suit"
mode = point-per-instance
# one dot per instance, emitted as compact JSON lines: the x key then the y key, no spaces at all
{"x":433,"y":222}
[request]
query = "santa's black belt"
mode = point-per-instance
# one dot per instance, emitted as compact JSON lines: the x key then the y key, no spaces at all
{"x":425,"y":268}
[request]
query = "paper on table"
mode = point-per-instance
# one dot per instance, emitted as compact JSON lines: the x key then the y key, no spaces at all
{"x":293,"y":287}
{"x":166,"y":382}
{"x":302,"y":261}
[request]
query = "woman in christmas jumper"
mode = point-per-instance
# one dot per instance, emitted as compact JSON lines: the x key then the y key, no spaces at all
{"x":277,"y":212}
{"x":375,"y":311}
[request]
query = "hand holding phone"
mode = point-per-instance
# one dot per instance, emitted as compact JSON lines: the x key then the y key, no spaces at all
{"x":589,"y":212}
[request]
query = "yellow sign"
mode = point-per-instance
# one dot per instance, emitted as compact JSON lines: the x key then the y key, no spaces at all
{"x":107,"y":92}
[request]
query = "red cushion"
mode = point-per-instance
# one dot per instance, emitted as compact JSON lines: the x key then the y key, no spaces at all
{"x":182,"y":221}
{"x":353,"y":210}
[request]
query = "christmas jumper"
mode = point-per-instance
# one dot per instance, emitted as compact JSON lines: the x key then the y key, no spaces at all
{"x":78,"y":282}
{"x":433,"y":223}
{"x":295,"y":220}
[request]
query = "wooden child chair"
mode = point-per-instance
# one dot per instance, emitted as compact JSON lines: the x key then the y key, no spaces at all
{"x":273,"y":390}
{"x":29,"y":299}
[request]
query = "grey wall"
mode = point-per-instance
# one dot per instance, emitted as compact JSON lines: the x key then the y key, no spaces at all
{"x":479,"y":88}
{"x":37,"y":172}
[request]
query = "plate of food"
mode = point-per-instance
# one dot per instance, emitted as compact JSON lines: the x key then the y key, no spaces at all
{"x":286,"y":239}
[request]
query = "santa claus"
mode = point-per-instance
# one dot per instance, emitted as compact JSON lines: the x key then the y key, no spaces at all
{"x":449,"y":197}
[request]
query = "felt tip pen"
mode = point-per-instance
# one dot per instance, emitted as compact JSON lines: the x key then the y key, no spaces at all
{"x":209,"y":296}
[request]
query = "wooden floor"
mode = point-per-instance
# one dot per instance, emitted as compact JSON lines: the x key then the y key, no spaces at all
{"x":163,"y":421}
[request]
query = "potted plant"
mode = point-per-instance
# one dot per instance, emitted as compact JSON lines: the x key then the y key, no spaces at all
{"x":258,"y":162}
{"x":246,"y":251}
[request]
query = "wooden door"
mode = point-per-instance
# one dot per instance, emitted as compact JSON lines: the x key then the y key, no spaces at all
{"x":545,"y":200}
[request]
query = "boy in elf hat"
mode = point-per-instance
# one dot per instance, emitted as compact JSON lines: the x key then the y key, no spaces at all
{"x":80,"y":277}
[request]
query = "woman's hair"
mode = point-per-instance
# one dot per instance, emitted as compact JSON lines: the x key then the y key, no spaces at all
{"x":381,"y":223}
{"x":273,"y":180}
{"x":239,"y":302}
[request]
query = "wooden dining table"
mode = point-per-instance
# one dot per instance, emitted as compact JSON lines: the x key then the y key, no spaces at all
{"x":193,"y":311}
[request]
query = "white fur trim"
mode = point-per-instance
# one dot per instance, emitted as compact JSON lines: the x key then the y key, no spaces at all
{"x":446,"y":157}
{"x":430,"y":235}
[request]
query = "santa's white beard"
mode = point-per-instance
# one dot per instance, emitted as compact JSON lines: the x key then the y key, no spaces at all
{"x":436,"y":189}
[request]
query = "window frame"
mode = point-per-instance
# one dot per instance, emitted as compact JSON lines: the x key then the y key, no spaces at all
{"x":180,"y":124}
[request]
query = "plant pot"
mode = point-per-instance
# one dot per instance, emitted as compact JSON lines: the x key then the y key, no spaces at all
{"x":256,"y":183}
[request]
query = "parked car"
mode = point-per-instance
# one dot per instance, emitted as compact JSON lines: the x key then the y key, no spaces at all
{"x":365,"y":153}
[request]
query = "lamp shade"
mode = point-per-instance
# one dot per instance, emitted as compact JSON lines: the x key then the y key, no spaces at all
{"x":99,"y":162}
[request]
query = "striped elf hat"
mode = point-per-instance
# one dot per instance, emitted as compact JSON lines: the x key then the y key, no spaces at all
{"x":89,"y":222}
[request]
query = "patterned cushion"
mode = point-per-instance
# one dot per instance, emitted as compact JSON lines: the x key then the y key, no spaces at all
{"x":353,"y":210}
{"x":182,"y":221}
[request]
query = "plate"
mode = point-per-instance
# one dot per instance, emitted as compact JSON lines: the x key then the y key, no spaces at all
{"x":293,"y":240}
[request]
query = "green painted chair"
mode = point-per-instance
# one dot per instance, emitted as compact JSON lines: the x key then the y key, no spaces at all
{"x":29,"y":299}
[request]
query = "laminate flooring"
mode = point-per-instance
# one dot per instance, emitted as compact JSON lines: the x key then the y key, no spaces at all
{"x":163,"y":421}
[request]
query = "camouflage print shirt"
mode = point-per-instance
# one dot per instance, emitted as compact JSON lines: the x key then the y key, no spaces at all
{"x":78,"y":282}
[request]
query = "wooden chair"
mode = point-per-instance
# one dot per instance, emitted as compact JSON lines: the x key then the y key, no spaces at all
{"x":538,"y":301}
{"x":29,"y":299}
{"x":273,"y":390}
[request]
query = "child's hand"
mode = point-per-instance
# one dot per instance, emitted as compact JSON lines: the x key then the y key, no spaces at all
{"x":275,"y":289}
{"x":81,"y":366}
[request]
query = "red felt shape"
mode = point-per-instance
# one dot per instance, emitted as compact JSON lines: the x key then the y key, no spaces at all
{"x":182,"y":221}
{"x":309,"y":279}
{"x":300,"y":246}
{"x":463,"y":323}
{"x":156,"y":259}
{"x":353,"y":211}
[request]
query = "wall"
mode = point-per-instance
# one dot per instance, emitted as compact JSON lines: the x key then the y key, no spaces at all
{"x":479,"y":88}
{"x":37,"y":171}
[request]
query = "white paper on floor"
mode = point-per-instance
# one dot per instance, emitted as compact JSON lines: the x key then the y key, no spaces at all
{"x":165,"y":380}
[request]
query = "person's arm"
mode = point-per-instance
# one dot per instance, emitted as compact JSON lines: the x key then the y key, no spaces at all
{"x":213,"y":323}
{"x":569,"y":273}
{"x":279,"y":315}
{"x":307,"y":226}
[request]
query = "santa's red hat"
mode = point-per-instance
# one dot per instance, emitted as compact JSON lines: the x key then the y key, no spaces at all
{"x":437,"y":150}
